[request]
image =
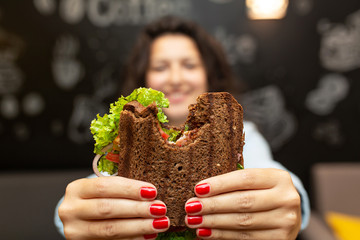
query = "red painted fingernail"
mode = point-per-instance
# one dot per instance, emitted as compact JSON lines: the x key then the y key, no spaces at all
{"x":158,"y":209}
{"x":202,"y":189}
{"x":148,"y":192}
{"x":193,"y":207}
{"x":161,"y":223}
{"x":204,"y":232}
{"x":150,"y":236}
{"x":194,"y":220}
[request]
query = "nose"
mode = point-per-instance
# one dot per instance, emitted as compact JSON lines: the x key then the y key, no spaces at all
{"x":175,"y":76}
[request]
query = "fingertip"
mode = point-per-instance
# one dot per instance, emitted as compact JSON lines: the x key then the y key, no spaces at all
{"x":193,"y":221}
{"x":193,"y":206}
{"x":203,"y":232}
{"x":150,"y":236}
{"x":202,"y":189}
{"x":161,"y":224}
{"x":148,"y":193}
{"x":158,"y":209}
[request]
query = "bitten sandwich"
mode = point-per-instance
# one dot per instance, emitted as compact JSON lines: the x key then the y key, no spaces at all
{"x":139,"y":144}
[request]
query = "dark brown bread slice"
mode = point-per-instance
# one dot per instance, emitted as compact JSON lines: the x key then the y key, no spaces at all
{"x":175,"y":170}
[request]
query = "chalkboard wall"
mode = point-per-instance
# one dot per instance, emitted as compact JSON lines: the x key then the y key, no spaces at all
{"x":61,"y":61}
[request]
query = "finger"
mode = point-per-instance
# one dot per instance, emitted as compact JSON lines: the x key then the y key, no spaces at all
{"x":205,"y":233}
{"x":245,"y":179}
{"x":113,"y":187}
{"x":107,"y":208}
{"x":232,"y":202}
{"x":245,"y":221}
{"x":116,"y":228}
{"x":143,"y":237}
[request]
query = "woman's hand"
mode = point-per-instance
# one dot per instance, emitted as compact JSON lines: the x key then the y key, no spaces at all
{"x":112,"y":208}
{"x":246,"y":204}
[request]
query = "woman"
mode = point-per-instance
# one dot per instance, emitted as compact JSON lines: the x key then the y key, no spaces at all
{"x":261,"y":202}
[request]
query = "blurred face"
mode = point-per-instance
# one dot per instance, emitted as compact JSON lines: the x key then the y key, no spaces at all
{"x":176,"y":69}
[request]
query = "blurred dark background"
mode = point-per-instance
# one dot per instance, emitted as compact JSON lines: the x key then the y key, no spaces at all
{"x":61,"y":62}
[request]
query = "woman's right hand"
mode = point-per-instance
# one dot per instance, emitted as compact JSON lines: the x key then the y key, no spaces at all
{"x":112,"y":208}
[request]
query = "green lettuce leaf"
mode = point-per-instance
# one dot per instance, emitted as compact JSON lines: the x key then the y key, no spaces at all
{"x":105,"y":165}
{"x":239,"y":166}
{"x":105,"y":128}
{"x":173,"y":134}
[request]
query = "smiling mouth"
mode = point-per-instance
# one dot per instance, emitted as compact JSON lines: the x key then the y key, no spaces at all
{"x":176,"y":97}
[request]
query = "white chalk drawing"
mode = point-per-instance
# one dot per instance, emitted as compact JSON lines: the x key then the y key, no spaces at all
{"x":67,"y":70}
{"x":21,"y":131}
{"x":340,"y":48}
{"x":11,"y":76}
{"x":246,"y":48}
{"x":339,"y":53}
{"x":104,"y":13}
{"x":329,"y":132}
{"x":241,"y":48}
{"x":84,"y":110}
{"x":33,"y":104}
{"x":45,"y":7}
{"x":9,"y":106}
{"x":266,"y":108}
{"x":303,"y":7}
{"x":72,"y":11}
{"x":86,"y":107}
{"x":331,"y":89}
{"x":104,"y":83}
{"x":11,"y":81}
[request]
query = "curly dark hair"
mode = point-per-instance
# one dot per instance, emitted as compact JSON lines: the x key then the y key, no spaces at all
{"x":219,"y":73}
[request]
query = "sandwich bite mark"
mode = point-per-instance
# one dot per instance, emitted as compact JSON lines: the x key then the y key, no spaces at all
{"x":209,"y":143}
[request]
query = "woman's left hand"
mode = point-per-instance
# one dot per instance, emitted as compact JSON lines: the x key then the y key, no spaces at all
{"x":246,"y":204}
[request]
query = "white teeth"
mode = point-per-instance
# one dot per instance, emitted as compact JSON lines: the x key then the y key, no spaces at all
{"x":176,"y":95}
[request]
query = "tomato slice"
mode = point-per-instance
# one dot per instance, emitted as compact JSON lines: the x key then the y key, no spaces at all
{"x":113,"y":157}
{"x":163,"y":134}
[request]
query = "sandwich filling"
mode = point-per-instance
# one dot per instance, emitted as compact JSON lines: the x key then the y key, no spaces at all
{"x":105,"y":129}
{"x":208,"y":144}
{"x":183,"y":137}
